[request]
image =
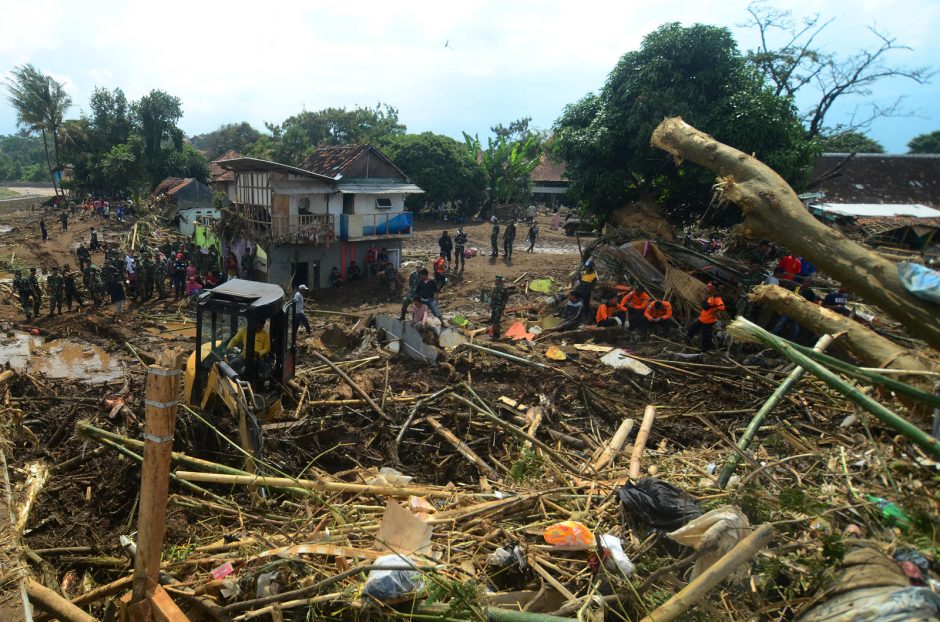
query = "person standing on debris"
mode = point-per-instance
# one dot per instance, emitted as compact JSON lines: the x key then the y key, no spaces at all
{"x":439,"y":274}
{"x":91,"y":278}
{"x":179,"y":276}
{"x":42,"y":228}
{"x":71,"y":288}
{"x":248,"y":263}
{"x":23,"y":289}
{"x":299,"y":316}
{"x":494,"y":237}
{"x":336,"y":279}
{"x":585,"y":287}
{"x":94,"y":245}
{"x":786,"y":323}
{"x":82,"y":253}
{"x":705,"y":324}
{"x":636,"y":301}
{"x":572,"y":313}
{"x":64,"y":219}
{"x":35,"y":292}
{"x":446,"y":244}
{"x":533,"y":235}
{"x":55,"y":284}
{"x":498,"y":297}
{"x":611,"y":313}
{"x":509,"y":238}
{"x":761,"y":256}
{"x":413,"y":279}
{"x":353,"y":272}
{"x":116,"y":292}
{"x":146,"y":275}
{"x":426,"y":290}
{"x":658,"y":316}
{"x":460,"y":243}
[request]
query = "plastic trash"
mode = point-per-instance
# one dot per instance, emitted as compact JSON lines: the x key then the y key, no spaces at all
{"x":542,"y":286}
{"x":389,"y":584}
{"x":659,"y":504}
{"x":920,"y":280}
{"x":914,"y":565}
{"x":616,"y":560}
{"x":569,"y":533}
{"x":716,"y":532}
{"x":502,"y":557}
{"x":390,"y":477}
{"x":891,"y":514}
{"x":618,"y":359}
{"x":555,"y":353}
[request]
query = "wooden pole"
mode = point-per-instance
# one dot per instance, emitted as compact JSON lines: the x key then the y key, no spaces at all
{"x":286,"y":482}
{"x":649,"y":415}
{"x":162,"y":389}
{"x":754,"y":426}
{"x":685,"y":598}
{"x":51,"y":602}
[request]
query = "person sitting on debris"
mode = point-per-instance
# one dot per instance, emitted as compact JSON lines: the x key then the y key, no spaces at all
{"x":498,"y":297}
{"x":786,"y":323}
{"x":837,"y":300}
{"x":439,"y":269}
{"x":419,"y":311}
{"x":658,"y":315}
{"x":193,"y":286}
{"x":336,"y":279}
{"x":446,"y":244}
{"x":791,"y":266}
{"x":572,"y":313}
{"x":807,"y":270}
{"x":705,"y":324}
{"x":426,"y":290}
{"x":761,"y":256}
{"x":353,"y":272}
{"x":636,"y":302}
{"x":611,"y":313}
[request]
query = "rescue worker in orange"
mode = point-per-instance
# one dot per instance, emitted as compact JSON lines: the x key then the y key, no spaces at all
{"x":705,"y":324}
{"x":611,"y":313}
{"x":636,"y":302}
{"x":658,"y":316}
{"x":439,"y":275}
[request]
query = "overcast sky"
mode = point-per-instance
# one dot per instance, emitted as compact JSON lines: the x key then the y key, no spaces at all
{"x":263,"y":61}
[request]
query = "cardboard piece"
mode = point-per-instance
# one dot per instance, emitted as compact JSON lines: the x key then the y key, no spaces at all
{"x":402,"y":532}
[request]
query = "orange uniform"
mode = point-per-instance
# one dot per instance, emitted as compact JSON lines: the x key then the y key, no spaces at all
{"x":635,"y":300}
{"x":605,"y":311}
{"x":439,"y":265}
{"x":653,"y":314}
{"x":710,"y":309}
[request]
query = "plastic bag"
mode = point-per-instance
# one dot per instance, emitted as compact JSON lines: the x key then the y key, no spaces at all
{"x":390,"y":584}
{"x":569,"y":533}
{"x":716,"y":532}
{"x":390,"y":477}
{"x":920,"y":280}
{"x":617,"y":559}
{"x":660,"y":504}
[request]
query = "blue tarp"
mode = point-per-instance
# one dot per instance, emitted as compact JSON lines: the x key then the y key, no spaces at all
{"x":920,"y":281}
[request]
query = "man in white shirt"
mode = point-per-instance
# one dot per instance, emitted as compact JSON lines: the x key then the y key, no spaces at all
{"x":299,"y":316}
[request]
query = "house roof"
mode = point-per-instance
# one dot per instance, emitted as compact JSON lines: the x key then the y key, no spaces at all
{"x":333,"y":160}
{"x":218,"y":174}
{"x":379,"y":188}
{"x":876,"y":210}
{"x":549,"y":171}
{"x":873,"y":178}
{"x":172,"y":185}
{"x":255,"y":164}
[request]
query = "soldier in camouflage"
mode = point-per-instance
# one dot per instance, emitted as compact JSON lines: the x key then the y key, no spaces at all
{"x":56,"y":286}
{"x":23,"y":290}
{"x":91,"y":277}
{"x":145,"y":280}
{"x":494,"y":238}
{"x":498,"y":297}
{"x":35,"y":292}
{"x":413,"y":279}
{"x":71,"y":288}
{"x":460,"y":243}
{"x":159,"y":275}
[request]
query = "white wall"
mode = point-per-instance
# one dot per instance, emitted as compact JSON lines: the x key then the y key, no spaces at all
{"x":188,"y":218}
{"x":365,"y":203}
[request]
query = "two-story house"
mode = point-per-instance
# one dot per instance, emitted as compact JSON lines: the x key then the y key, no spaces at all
{"x":342,"y":202}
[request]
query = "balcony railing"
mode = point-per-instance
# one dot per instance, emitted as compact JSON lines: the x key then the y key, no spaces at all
{"x":294,"y":229}
{"x":375,"y":226}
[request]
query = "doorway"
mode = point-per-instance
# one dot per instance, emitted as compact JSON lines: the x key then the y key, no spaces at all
{"x":301,"y":274}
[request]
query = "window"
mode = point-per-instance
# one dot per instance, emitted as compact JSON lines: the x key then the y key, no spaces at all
{"x":383,"y":204}
{"x":303,"y":206}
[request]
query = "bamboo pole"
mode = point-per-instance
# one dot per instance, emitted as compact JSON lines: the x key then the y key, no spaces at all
{"x":750,"y":331}
{"x":754,"y":426}
{"x":51,"y":602}
{"x":616,"y":444}
{"x":161,"y":392}
{"x":649,"y":415}
{"x":742,"y":552}
{"x":286,"y":482}
{"x":463,"y":448}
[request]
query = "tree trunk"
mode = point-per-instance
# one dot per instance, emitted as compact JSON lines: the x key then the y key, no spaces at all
{"x":55,"y":146}
{"x":773,"y":210}
{"x":45,"y":146}
{"x":863,"y":343}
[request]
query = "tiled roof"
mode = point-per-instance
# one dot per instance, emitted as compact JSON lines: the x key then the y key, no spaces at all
{"x":217,"y":173}
{"x":549,"y":171}
{"x":172,"y":185}
{"x":332,"y":160}
{"x":880,"y":178}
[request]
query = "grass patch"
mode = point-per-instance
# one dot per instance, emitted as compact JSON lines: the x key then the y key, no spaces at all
{"x":6,"y":193}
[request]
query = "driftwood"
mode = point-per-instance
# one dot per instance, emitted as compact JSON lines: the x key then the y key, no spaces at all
{"x":863,"y":343}
{"x":51,"y":602}
{"x":773,"y":210}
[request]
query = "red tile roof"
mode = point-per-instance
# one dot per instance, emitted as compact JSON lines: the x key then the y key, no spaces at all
{"x":549,"y":171}
{"x":332,"y":160}
{"x":218,"y":174}
{"x":880,"y":178}
{"x":172,"y":185}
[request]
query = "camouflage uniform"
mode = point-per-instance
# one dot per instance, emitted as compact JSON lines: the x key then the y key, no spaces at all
{"x":494,"y":240}
{"x":413,"y":279}
{"x":92,"y":280}
{"x":159,"y":277}
{"x":145,"y":280}
{"x":35,"y":292}
{"x":71,"y":289}
{"x":498,"y":297}
{"x":56,"y":284}
{"x":22,"y":288}
{"x":460,"y":242}
{"x":509,"y":237}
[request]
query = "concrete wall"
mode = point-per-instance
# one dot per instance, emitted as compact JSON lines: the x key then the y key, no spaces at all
{"x":189,"y":217}
{"x":365,"y":203}
{"x":282,"y":257}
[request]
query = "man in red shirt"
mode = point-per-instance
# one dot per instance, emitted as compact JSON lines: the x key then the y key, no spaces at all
{"x":791,"y":266}
{"x":705,"y":324}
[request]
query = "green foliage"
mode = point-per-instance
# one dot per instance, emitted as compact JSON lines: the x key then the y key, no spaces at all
{"x":850,"y":142}
{"x":20,"y":158}
{"x":694,"y":72}
{"x":187,"y":163}
{"x":925,"y":143}
{"x":530,"y":466}
{"x":157,"y":114}
{"x":441,"y":166}
{"x":507,"y":160}
{"x":237,"y":136}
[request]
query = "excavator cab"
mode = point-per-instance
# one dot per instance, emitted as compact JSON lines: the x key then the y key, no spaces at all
{"x":244,"y":354}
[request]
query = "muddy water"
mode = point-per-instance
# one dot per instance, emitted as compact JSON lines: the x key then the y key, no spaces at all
{"x":59,"y":359}
{"x":173,"y":330}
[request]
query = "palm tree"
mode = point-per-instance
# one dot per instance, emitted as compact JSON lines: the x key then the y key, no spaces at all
{"x":40,"y":102}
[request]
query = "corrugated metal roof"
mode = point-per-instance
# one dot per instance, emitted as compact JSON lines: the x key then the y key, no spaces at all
{"x":300,"y":187}
{"x":876,"y":210}
{"x":379,"y":188}
{"x":255,"y":164}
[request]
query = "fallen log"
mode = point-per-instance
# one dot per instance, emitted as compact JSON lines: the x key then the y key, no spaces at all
{"x":773,"y":210}
{"x":863,"y":343}
{"x":49,"y":601}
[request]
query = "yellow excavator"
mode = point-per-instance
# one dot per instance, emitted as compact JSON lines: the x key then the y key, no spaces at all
{"x":245,"y":354}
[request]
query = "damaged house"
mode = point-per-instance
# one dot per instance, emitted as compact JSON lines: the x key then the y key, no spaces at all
{"x":342,"y":202}
{"x":186,"y":202}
